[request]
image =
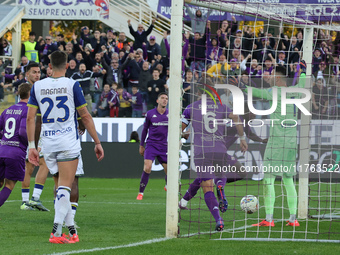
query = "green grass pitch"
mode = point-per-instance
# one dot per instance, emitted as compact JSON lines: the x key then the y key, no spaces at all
{"x":112,"y":221}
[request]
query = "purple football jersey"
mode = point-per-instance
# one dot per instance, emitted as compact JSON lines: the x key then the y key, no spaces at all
{"x":207,"y":136}
{"x":13,"y":124}
{"x":157,"y":125}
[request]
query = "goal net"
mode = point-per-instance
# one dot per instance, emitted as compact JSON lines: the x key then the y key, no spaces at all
{"x":263,"y":51}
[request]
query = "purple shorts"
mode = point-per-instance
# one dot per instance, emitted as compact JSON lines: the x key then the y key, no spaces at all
{"x":154,"y":150}
{"x":213,"y":165}
{"x":12,"y":169}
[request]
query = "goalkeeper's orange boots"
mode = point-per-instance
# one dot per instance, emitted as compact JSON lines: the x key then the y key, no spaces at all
{"x":294,"y":224}
{"x":264,"y":223}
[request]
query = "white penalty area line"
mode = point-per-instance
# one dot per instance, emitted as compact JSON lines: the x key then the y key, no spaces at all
{"x":279,"y":240}
{"x":156,"y":240}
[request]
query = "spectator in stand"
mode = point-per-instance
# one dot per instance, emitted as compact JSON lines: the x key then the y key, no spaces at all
{"x":2,"y":73}
{"x":265,"y":49}
{"x":140,"y":35}
{"x":79,"y":59}
{"x":85,"y":35}
{"x":115,"y":56}
{"x":121,"y":40}
{"x":254,"y":69}
{"x":96,"y":42}
{"x":155,"y":86}
{"x":234,"y":69}
{"x":162,"y":72}
{"x":48,"y":48}
{"x":49,"y":72}
{"x":198,"y":21}
{"x":215,"y":70}
{"x":144,"y":77}
{"x":281,"y":60}
{"x":226,"y":30}
{"x":186,"y":88}
{"x":214,"y":46}
{"x":31,"y":48}
{"x":317,"y":58}
{"x":238,"y":44}
{"x":69,"y":52}
{"x":7,"y":47}
{"x":101,"y":63}
{"x":113,"y":101}
{"x":268,"y":64}
{"x":293,"y":50}
{"x":115,"y":73}
{"x":152,"y":48}
{"x":319,"y":99}
{"x":61,"y":42}
{"x":72,"y":68}
{"x":137,"y":102}
{"x":96,"y":84}
{"x":111,"y":38}
{"x":102,"y":108}
{"x":134,"y":66}
{"x":21,"y":67}
{"x":1,"y":46}
{"x":83,"y":77}
{"x":197,"y":52}
{"x":184,"y":48}
{"x":125,"y":109}
{"x":236,"y":53}
{"x":21,"y":79}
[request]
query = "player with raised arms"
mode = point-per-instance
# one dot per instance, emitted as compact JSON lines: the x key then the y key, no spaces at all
{"x":59,"y":98}
{"x":209,"y":145}
{"x":13,"y":145}
{"x":281,"y":149}
{"x":156,"y":127}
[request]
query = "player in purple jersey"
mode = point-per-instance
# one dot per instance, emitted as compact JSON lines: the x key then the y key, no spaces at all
{"x":209,"y":146}
{"x":156,"y":127}
{"x":230,"y":177}
{"x":13,"y":144}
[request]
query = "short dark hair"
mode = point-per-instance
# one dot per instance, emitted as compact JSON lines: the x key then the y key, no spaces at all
{"x":58,"y":59}
{"x":32,"y":33}
{"x":280,"y":70}
{"x":30,"y":65}
{"x":156,"y":70}
{"x":161,"y":94}
{"x":24,"y":90}
{"x":61,"y":35}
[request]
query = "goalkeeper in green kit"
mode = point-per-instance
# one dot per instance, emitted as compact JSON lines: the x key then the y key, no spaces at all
{"x":281,"y":149}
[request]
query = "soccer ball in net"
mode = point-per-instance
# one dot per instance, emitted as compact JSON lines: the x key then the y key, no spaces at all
{"x":249,"y":204}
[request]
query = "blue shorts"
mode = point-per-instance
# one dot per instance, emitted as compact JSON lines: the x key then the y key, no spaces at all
{"x":154,"y":150}
{"x":12,"y":169}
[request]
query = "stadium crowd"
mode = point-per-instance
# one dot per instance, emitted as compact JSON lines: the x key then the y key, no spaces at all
{"x":122,"y":78}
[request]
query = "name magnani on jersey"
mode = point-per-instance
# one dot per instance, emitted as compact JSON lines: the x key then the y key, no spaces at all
{"x":55,"y":91}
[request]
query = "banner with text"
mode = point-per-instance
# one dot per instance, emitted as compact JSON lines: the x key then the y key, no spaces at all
{"x":318,"y":10}
{"x":66,"y":9}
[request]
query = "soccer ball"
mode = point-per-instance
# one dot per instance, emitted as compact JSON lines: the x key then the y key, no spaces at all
{"x":249,"y":204}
